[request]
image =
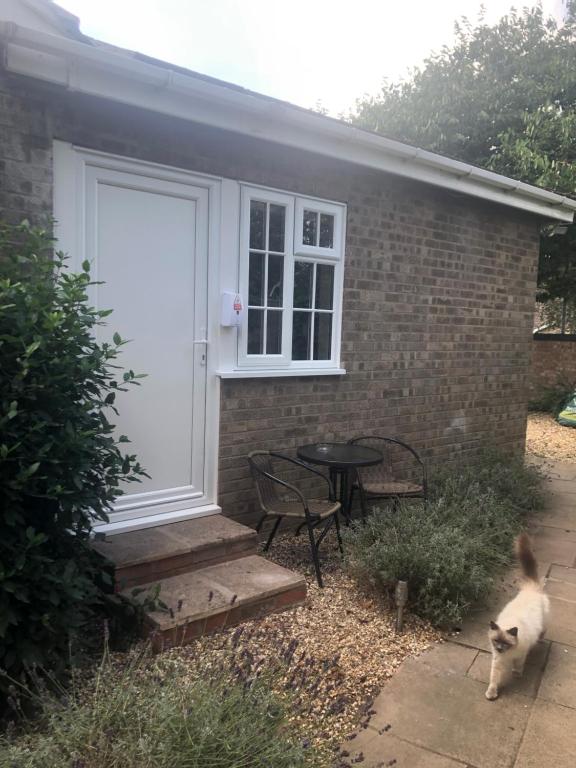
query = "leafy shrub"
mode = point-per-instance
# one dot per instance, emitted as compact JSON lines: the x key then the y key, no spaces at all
{"x":60,"y":465}
{"x":152,"y":714}
{"x":450,"y":551}
{"x":553,"y":399}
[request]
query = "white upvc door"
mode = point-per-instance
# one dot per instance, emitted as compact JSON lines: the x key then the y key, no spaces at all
{"x":146,"y":234}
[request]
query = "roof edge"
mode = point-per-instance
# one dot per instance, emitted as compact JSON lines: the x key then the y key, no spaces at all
{"x":122,"y":76}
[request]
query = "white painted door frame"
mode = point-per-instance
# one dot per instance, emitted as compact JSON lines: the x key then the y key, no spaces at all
{"x":73,"y":169}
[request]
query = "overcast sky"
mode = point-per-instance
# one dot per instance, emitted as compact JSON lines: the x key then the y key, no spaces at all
{"x":304,"y":51}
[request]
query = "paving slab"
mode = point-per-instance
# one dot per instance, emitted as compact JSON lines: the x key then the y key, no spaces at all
{"x":560,"y":494}
{"x":561,"y":625}
{"x":449,"y":715}
{"x":563,"y":573}
{"x":559,"y":634}
{"x":552,"y":547}
{"x":550,"y":738}
{"x":450,"y":658}
{"x":527,"y":685}
{"x":202,"y":593}
{"x":559,"y":679}
{"x":560,"y":518}
{"x":559,"y":470}
{"x":559,"y":501}
{"x":153,"y":554}
{"x":472,"y":634}
{"x":564,"y":590}
{"x":373,"y":750}
{"x":149,"y":544}
{"x":219,"y":596}
{"x":565,"y":533}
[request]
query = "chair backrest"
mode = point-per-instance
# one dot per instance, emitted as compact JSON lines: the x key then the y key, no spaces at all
{"x":268,"y":480}
{"x":401,"y":462}
{"x":260,"y":466}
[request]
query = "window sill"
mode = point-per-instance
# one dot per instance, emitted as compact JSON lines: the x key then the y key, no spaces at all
{"x":268,"y":373}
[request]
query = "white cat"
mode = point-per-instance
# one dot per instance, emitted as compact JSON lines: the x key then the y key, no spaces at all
{"x":521,"y":623}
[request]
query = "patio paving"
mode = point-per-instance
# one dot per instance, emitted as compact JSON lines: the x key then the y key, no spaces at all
{"x":433,"y":713}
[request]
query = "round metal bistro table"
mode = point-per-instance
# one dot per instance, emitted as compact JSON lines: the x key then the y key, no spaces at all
{"x":341,"y":459}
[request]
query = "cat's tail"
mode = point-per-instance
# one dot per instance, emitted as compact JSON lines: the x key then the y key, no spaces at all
{"x":526,"y":557}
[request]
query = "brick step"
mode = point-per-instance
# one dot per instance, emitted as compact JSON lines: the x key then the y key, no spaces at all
{"x":221,"y":596}
{"x":149,"y":555}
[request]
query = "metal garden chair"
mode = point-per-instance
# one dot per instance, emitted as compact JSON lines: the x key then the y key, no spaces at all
{"x":401,"y":475}
{"x":279,"y":497}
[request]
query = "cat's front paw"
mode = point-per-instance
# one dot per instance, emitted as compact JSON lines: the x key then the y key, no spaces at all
{"x":491,"y":694}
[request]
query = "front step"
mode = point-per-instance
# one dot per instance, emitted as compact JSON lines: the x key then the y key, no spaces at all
{"x":221,"y":596}
{"x":149,"y":555}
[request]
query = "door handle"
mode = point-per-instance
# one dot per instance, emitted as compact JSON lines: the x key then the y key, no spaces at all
{"x":205,"y":342}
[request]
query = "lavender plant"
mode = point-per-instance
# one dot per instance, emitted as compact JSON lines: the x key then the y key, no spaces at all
{"x":148,"y":713}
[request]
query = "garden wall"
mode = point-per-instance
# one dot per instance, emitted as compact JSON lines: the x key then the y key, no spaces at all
{"x":553,"y":360}
{"x":438,"y":298}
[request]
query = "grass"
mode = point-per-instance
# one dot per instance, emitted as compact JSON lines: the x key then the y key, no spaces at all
{"x":450,"y":551}
{"x":149,"y":713}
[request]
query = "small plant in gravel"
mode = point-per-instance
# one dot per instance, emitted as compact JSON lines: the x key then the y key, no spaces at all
{"x":451,"y":550}
{"x":308,"y":683}
{"x":147,"y":713}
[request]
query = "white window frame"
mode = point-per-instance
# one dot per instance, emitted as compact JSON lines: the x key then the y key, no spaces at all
{"x":318,"y":206}
{"x":294,"y":251}
{"x":249,"y":194}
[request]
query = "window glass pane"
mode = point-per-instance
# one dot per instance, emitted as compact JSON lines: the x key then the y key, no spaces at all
{"x":326,"y":230}
{"x":303,"y":276}
{"x":324,"y":286}
{"x":255,"y":331}
{"x":275,"y":280}
{"x":322,"y":336}
{"x":256,"y":280}
{"x":301,"y":324}
{"x":276,"y":228}
{"x":274,"y":332}
{"x":257,"y":225}
{"x":310,"y":228}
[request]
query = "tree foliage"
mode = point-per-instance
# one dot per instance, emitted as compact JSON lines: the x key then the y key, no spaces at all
{"x":502,"y":97}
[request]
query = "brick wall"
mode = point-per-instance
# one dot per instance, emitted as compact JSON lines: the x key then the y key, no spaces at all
{"x":25,"y":155}
{"x":552,"y":361}
{"x":438,"y":297}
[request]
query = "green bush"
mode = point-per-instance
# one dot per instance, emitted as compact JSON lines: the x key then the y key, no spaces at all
{"x":553,"y":399}
{"x":450,"y":551}
{"x":60,"y":465}
{"x":155,"y":714}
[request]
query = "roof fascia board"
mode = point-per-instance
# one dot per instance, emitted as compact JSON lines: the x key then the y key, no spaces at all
{"x":101,"y":72}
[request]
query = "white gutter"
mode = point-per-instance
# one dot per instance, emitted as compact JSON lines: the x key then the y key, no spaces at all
{"x":119,"y":76}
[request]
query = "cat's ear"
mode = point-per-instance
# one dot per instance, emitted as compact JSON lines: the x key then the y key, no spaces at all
{"x":494,"y":626}
{"x":513,"y":631}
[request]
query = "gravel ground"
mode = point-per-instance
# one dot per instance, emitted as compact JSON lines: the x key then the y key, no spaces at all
{"x":341,"y":645}
{"x":546,"y":438}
